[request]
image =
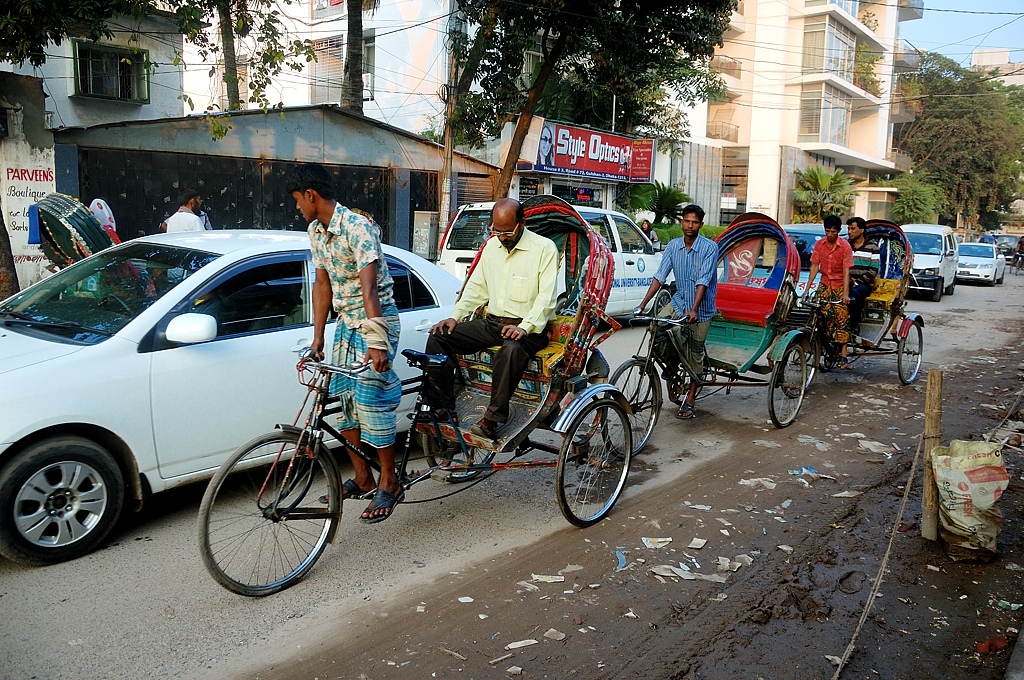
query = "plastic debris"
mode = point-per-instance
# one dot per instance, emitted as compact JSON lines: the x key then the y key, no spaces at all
{"x":786,"y":503}
{"x":465,"y":599}
{"x":621,"y":557}
{"x":766,"y":443}
{"x":520,"y":643}
{"x":656,"y":542}
{"x":555,"y":635}
{"x":745,"y":560}
{"x":810,"y":472}
{"x":547,"y":578}
{"x":570,"y":568}
{"x":631,"y":615}
{"x":420,"y":608}
{"x":1013,"y":566}
{"x":514,"y":670}
{"x":932,"y":567}
{"x":697,"y":543}
{"x":526,"y":585}
{"x":873,"y":446}
{"x":725,"y":564}
{"x":834,"y":660}
{"x":1003,"y":604}
{"x":788,"y":549}
{"x":701,"y":507}
{"x":724,"y":532}
{"x":847,"y":494}
{"x":759,"y":481}
{"x":718,"y":598}
{"x":808,"y":439}
{"x":724,"y":521}
{"x":455,"y":654}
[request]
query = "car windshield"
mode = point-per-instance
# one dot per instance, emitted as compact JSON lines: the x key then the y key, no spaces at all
{"x":804,"y":242}
{"x":977,"y":250}
{"x":95,"y":298}
{"x":470,"y":230}
{"x":925,"y":244}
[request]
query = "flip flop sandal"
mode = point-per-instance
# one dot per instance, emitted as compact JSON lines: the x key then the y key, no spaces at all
{"x":382,"y":500}
{"x":686,"y":411}
{"x":349,"y":490}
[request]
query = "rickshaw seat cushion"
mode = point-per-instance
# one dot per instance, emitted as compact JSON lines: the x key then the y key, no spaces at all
{"x":560,"y":329}
{"x":885,"y":290}
{"x":745,"y":304}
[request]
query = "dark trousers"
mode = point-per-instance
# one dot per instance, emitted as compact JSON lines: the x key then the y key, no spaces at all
{"x":507,"y":369}
{"x":858,"y":296}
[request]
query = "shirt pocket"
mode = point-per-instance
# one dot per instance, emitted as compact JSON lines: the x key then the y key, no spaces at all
{"x":519,"y":288}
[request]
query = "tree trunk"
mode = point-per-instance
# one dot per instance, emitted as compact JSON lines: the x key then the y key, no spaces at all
{"x":8,"y":275}
{"x":476,"y":52}
{"x":352,"y":87}
{"x":526,"y":115}
{"x":227,"y":41}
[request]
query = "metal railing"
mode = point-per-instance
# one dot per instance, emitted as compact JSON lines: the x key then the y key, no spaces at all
{"x":725,"y":131}
{"x":727,"y":66}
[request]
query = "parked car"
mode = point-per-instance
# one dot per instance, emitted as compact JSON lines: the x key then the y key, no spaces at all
{"x":636,"y":258}
{"x":804,"y":236}
{"x":935,"y":258}
{"x":143,"y":367}
{"x":1007,"y":244}
{"x":981,"y":262}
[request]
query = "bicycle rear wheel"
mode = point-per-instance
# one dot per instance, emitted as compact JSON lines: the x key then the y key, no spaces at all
{"x":263,"y":526}
{"x":593,"y":462}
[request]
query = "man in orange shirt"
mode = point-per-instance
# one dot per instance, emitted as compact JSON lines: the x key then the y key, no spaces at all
{"x":833,"y":257}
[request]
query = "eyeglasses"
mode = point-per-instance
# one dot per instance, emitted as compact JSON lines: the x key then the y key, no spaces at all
{"x":502,"y":232}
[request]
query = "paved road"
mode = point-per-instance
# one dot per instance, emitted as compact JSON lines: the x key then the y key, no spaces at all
{"x":143,"y":607}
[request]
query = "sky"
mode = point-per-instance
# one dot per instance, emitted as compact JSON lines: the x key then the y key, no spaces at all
{"x":955,"y":28}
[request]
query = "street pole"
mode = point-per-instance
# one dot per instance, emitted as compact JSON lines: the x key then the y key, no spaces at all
{"x":445,"y":184}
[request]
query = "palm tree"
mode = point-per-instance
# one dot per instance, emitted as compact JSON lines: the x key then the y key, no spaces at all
{"x":820,"y":191}
{"x":352,"y":87}
{"x":664,"y":200}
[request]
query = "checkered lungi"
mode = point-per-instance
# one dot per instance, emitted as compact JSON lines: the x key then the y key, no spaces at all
{"x":368,"y":401}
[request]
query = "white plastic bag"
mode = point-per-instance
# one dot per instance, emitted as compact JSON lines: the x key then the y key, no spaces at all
{"x":971,"y":477}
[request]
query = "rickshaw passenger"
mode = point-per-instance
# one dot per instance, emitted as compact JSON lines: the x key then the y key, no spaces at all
{"x":516,"y":278}
{"x":864,"y":270}
{"x":694,"y":259}
{"x":833,"y":257}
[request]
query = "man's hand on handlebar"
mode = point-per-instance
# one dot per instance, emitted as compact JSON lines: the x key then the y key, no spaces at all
{"x":638,"y":311}
{"x":377,"y":358}
{"x":316,"y":349}
{"x":689,"y":317}
{"x":444,"y":327}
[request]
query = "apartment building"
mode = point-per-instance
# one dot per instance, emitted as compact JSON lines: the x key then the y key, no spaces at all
{"x":809,"y":82}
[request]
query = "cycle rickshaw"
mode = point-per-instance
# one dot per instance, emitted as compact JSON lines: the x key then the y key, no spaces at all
{"x":272,"y":508}
{"x":748,"y":344}
{"x":885,"y":328}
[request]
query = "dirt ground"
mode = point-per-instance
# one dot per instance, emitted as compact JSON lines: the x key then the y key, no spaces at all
{"x":779,"y":616}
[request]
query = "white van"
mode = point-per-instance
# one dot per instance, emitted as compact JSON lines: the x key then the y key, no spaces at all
{"x":636,"y":258}
{"x":935,"y":257}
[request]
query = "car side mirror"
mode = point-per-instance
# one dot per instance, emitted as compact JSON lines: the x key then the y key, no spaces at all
{"x":656,"y":246}
{"x":191,"y":328}
{"x":949,"y":252}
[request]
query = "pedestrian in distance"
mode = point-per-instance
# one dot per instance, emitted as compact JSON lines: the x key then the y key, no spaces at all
{"x":516,"y":277}
{"x":694,"y":260}
{"x":652,"y":236}
{"x":833,"y":257}
{"x":352,"y":277}
{"x":187,"y":218}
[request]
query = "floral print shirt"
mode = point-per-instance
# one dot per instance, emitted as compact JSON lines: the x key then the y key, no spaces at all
{"x":343,"y":248}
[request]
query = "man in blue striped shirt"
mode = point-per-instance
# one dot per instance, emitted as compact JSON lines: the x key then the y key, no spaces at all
{"x":694,"y":260}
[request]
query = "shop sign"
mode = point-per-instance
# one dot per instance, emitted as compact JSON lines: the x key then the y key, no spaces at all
{"x":595,"y":154}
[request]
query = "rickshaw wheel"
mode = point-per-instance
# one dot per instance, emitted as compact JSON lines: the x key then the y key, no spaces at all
{"x":815,"y":357}
{"x":593,"y":462}
{"x":909,"y":351}
{"x":639,"y":382}
{"x":787,"y":386}
{"x":434,"y":458}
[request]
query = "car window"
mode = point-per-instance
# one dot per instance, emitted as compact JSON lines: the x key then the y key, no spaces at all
{"x":977,"y":250}
{"x":470,"y":230}
{"x":599,"y":223}
{"x":632,"y":240}
{"x":925,"y":244}
{"x":804,"y":242}
{"x":263,"y":297}
{"x":410,"y":291}
{"x":94,"y":298}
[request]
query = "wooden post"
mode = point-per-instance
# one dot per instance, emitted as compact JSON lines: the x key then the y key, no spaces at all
{"x":932,"y":438}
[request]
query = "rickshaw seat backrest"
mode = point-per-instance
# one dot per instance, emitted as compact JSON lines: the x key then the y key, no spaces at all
{"x":745,"y":304}
{"x":885,"y":290}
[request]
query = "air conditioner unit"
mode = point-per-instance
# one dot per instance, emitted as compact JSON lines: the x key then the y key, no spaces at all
{"x":367,"y":87}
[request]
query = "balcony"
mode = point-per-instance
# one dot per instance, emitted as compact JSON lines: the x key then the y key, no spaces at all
{"x":737,"y":23}
{"x":727,"y":132}
{"x":900,"y":159}
{"x":731,"y":71}
{"x":905,"y":59}
{"x":900,"y":111}
{"x":910,"y":9}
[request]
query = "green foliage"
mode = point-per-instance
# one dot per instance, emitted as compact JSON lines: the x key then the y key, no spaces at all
{"x":864,"y":61}
{"x":667,"y":202}
{"x":968,"y":137}
{"x":667,"y":232}
{"x":918,"y":200}
{"x":821,"y":192}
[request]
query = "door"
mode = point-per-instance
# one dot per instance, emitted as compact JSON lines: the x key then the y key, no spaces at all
{"x":638,"y":262}
{"x":241,"y":383}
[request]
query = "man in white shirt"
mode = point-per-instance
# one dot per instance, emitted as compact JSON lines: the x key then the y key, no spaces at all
{"x":516,"y":278}
{"x":187,"y":218}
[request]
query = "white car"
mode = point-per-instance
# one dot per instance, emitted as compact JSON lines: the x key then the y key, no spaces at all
{"x":143,"y":367}
{"x":980,"y":262}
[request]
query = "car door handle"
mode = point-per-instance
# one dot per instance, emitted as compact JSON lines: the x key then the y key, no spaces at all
{"x":423,"y":327}
{"x":630,"y":262}
{"x":303,"y":344}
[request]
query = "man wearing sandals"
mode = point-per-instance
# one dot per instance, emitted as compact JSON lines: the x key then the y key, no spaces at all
{"x":693,"y":259}
{"x":833,"y":257}
{"x":352,"y":276}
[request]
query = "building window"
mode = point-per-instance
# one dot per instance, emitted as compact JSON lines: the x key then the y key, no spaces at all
{"x":111,"y":72}
{"x":829,"y":47}
{"x":323,"y":9}
{"x":825,"y":114}
{"x":849,"y":5}
{"x":327,"y":74}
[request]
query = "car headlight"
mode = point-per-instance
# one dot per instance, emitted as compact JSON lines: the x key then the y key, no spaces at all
{"x":930,"y":272}
{"x":986,"y":266}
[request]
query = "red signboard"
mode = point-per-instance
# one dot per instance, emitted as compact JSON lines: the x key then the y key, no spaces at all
{"x":583,"y":152}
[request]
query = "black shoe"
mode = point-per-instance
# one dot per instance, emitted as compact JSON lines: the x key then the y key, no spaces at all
{"x":484,"y":428}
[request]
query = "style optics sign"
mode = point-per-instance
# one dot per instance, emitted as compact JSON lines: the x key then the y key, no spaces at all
{"x":569,"y":150}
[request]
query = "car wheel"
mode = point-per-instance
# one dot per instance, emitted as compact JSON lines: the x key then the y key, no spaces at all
{"x":1001,"y":277}
{"x":951,"y":288}
{"x":937,"y":293}
{"x":59,"y":499}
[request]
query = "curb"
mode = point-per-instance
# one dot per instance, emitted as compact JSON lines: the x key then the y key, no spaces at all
{"x":1015,"y":669}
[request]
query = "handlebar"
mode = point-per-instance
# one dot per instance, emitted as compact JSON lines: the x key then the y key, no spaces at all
{"x":307,"y":358}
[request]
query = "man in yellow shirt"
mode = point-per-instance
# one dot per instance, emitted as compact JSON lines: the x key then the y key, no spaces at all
{"x":516,"y":278}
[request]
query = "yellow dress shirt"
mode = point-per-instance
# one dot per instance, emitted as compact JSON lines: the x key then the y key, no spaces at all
{"x":521,"y":283}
